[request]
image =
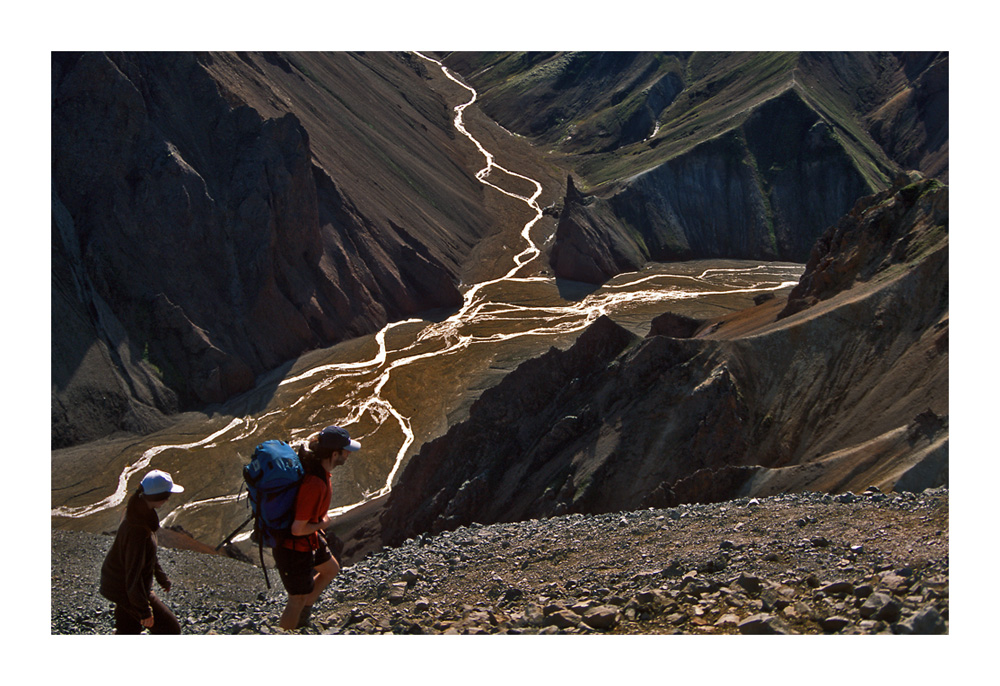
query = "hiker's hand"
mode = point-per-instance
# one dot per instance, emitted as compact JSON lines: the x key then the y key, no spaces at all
{"x":325,"y":522}
{"x":165,"y":585}
{"x":147,"y":622}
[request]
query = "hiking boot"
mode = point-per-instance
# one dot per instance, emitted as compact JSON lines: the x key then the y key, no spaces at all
{"x":304,"y":617}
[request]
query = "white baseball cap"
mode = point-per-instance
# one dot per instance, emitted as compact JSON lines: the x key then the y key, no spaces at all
{"x":157,"y":482}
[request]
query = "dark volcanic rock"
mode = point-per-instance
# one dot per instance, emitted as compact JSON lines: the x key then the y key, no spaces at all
{"x":589,"y":249}
{"x":674,"y":325}
{"x":748,"y":194}
{"x":499,"y":465}
{"x":848,"y":396}
{"x":913,"y":127}
{"x":893,"y":228}
{"x":206,"y":230}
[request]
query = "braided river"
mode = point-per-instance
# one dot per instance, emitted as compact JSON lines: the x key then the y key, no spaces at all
{"x":398,"y":388}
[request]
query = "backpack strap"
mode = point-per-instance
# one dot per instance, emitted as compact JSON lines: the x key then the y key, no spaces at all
{"x":263,"y":567}
{"x":260,"y":549}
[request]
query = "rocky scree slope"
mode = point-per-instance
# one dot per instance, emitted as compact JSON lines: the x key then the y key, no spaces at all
{"x":214,"y":215}
{"x":849,"y":391}
{"x":808,"y":563}
{"x":714,"y":155}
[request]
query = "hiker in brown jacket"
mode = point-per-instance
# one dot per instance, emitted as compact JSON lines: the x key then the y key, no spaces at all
{"x":130,"y":566}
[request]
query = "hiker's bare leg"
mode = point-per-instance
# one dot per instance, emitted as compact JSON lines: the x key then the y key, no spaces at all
{"x":324,"y":575}
{"x":293,"y":608}
{"x":296,"y":603}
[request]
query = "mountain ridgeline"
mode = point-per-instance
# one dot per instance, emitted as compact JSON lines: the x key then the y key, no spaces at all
{"x":724,"y":155}
{"x":216,"y":215}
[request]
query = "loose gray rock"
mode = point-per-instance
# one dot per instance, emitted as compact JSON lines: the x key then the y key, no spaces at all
{"x":926,"y":621}
{"x":882,"y":607}
{"x":602,"y":617}
{"x":762,"y":624}
{"x":583,"y":574}
{"x":835,"y":623}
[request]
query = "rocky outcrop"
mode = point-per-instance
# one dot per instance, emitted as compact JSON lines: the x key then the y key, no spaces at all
{"x":590,"y":248}
{"x":763,"y":191}
{"x":674,"y":325}
{"x":882,"y":234}
{"x":216,"y":215}
{"x":837,"y":397}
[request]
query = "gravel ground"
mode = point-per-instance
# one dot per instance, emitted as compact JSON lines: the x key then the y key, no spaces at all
{"x":797,"y":564}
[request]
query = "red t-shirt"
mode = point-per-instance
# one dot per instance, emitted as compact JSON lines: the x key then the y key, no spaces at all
{"x":312,"y":502}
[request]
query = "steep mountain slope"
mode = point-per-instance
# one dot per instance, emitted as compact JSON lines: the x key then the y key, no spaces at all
{"x":619,"y":113}
{"x":215,"y":215}
{"x":843,"y":387}
{"x":739,"y":155}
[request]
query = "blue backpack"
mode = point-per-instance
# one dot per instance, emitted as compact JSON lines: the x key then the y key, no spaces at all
{"x":272,"y":479}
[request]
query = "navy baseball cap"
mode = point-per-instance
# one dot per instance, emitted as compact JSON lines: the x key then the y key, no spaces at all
{"x":337,"y":438}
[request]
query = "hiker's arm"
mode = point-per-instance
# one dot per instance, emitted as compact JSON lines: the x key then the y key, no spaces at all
{"x":138,"y":593}
{"x":302,"y":527}
{"x":161,"y":577}
{"x":307,"y":506}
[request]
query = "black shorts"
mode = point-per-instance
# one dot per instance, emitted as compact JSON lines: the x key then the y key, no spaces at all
{"x":297,"y":568}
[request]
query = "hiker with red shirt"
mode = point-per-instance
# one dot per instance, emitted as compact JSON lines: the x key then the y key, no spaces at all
{"x":304,"y":560}
{"x":131,"y":564}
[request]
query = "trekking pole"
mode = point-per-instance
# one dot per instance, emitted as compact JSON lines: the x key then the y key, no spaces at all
{"x":236,"y":531}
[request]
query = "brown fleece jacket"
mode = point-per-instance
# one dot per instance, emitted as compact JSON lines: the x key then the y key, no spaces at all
{"x":128,"y":570}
